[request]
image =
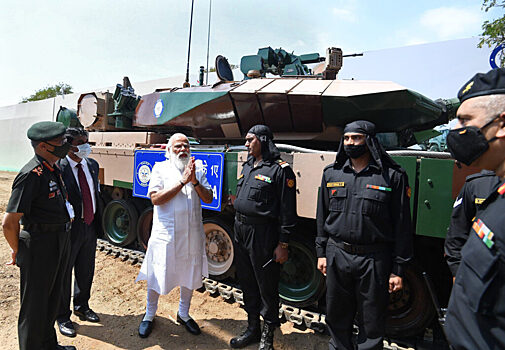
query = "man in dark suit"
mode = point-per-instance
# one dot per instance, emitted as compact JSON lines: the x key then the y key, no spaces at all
{"x":80,"y":175}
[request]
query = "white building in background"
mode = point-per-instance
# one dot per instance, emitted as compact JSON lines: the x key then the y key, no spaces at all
{"x":436,"y":70}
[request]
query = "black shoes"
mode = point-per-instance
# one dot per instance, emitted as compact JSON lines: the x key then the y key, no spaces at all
{"x":145,"y":328}
{"x":65,"y":347}
{"x":250,"y":336}
{"x":190,"y":325}
{"x":67,"y":328}
{"x":267,"y":337}
{"x":87,"y":315}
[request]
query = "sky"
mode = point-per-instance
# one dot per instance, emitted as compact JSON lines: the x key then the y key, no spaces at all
{"x":93,"y":44}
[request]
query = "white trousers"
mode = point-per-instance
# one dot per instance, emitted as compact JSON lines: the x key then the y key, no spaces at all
{"x":152,"y":303}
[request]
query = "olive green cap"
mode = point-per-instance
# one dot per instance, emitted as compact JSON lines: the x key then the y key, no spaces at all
{"x":44,"y":131}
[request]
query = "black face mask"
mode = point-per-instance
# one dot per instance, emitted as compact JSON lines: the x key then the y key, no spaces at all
{"x":468,"y":143}
{"x":355,"y":151}
{"x":60,"y":151}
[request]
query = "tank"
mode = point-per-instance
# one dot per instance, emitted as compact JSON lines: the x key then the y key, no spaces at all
{"x":306,"y":112}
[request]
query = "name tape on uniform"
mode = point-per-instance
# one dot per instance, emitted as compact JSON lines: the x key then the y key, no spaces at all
{"x":335,"y":184}
{"x":479,"y":200}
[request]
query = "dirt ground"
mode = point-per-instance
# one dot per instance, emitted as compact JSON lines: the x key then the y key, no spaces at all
{"x":120,"y":303}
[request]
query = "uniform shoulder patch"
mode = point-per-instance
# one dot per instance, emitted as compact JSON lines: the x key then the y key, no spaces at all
{"x":290,"y":183}
{"x":37,"y":170}
{"x":282,"y":163}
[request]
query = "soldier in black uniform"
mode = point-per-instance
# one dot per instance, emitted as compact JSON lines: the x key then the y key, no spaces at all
{"x":41,"y":248}
{"x":476,"y":313}
{"x":265,"y":218}
{"x":364,"y":236}
{"x":469,"y":201}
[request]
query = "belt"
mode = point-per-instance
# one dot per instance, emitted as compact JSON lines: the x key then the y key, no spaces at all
{"x":361,"y":249}
{"x":48,"y":227}
{"x":252,"y":220}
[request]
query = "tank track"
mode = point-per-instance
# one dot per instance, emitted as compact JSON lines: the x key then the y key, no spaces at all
{"x":301,"y":319}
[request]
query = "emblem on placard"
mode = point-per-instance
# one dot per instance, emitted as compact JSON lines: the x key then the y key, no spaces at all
{"x":144,"y":173}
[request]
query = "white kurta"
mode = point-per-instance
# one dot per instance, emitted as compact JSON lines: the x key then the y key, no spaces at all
{"x":176,"y":251}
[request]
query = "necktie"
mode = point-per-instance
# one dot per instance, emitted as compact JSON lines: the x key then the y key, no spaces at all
{"x":87,"y":202}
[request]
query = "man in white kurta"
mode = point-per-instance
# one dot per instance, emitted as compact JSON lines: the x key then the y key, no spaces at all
{"x":176,"y":251}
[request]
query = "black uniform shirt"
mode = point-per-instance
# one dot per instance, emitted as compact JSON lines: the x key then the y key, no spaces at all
{"x":268,"y":190}
{"x":365,"y":208}
{"x":469,"y":201}
{"x":476,"y":312}
{"x":38,"y":192}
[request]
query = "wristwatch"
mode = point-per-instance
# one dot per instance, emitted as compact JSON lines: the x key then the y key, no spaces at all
{"x":197,"y":183}
{"x":284,"y":245}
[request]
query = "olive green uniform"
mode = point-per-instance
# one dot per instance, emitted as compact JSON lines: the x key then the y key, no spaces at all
{"x":44,"y":246}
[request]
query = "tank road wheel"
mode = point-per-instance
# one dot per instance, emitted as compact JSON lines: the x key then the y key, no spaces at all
{"x":219,"y":248}
{"x":144,"y":226}
{"x":119,"y":222}
{"x":410,"y":310}
{"x":301,"y":284}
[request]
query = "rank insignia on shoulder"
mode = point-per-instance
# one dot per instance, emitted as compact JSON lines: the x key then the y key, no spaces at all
{"x":479,"y":200}
{"x":290,"y":183}
{"x":263,"y":178}
{"x":380,"y":188}
{"x":37,"y":170}
{"x":501,"y":189}
{"x":282,"y":163}
{"x":240,"y":176}
{"x":335,"y":184}
{"x":484,"y":233}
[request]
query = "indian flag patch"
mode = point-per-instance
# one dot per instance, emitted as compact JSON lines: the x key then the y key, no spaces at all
{"x":484,"y":233}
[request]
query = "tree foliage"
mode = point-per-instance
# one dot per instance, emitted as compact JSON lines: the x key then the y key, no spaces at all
{"x":493,"y":32}
{"x":48,"y":92}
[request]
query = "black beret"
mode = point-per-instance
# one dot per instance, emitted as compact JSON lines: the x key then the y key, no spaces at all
{"x":361,"y":127}
{"x":490,"y":83}
{"x":44,"y":131}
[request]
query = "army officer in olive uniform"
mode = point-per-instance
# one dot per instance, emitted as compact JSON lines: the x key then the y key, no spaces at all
{"x":265,"y":219}
{"x":41,"y":248}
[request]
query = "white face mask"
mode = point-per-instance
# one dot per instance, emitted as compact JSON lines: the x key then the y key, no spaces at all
{"x":84,"y":150}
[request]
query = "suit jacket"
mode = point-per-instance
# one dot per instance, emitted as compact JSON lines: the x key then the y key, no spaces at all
{"x":74,"y":194}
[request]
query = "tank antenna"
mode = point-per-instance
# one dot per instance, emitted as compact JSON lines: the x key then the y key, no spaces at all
{"x":208,"y":44}
{"x":186,"y":83}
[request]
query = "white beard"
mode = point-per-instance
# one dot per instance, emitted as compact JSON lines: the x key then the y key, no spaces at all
{"x":179,"y":163}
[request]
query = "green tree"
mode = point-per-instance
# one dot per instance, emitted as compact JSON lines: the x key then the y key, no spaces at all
{"x":49,"y":91}
{"x":493,"y":32}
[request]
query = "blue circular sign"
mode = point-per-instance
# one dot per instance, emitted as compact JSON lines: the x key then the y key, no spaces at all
{"x":492,"y":58}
